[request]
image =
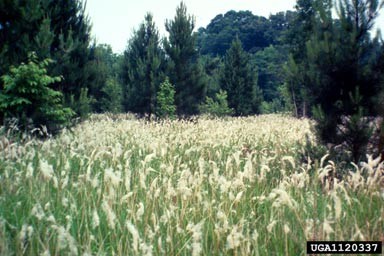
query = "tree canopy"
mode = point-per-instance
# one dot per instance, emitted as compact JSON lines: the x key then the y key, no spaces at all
{"x":255,"y":32}
{"x":183,"y":66}
{"x":143,"y":67}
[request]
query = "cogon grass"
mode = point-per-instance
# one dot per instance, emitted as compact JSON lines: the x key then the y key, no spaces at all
{"x":216,"y":187}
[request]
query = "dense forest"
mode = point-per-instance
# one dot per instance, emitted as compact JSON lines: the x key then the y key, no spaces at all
{"x":308,"y":62}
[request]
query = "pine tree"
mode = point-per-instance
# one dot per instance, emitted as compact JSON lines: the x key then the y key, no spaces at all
{"x":239,"y":79}
{"x":21,"y":22}
{"x":300,"y":32}
{"x":113,"y":99}
{"x":70,"y":47}
{"x":378,"y":101}
{"x":184,"y":69}
{"x":338,"y":74}
{"x":142,"y":68}
{"x":103,"y":68}
{"x":58,"y":30}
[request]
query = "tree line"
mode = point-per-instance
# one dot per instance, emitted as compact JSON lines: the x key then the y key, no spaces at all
{"x":308,"y":62}
{"x":335,"y":70}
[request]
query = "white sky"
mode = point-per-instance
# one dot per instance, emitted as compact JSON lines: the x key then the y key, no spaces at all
{"x":113,"y":21}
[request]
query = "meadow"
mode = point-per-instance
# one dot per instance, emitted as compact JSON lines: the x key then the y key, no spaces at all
{"x":236,"y":186}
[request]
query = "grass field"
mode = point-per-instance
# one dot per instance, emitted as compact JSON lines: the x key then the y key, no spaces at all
{"x":240,"y":186}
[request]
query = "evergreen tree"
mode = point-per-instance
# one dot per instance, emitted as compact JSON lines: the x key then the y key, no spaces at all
{"x":301,"y":30}
{"x":70,"y":47}
{"x":212,"y":67}
{"x":21,"y":24}
{"x":378,"y":101}
{"x":269,"y":63}
{"x":113,"y":99}
{"x":58,"y":30}
{"x":103,"y":68}
{"x":83,"y":103}
{"x":336,"y":71}
{"x":301,"y":27}
{"x":184,"y":69}
{"x":142,"y":68}
{"x":239,"y":79}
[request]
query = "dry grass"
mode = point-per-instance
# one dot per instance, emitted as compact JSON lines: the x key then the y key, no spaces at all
{"x":121,"y":186}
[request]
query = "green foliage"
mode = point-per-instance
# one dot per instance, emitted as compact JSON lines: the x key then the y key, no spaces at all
{"x":341,"y":81}
{"x":70,"y":47}
{"x":166,"y":107}
{"x":239,"y":79}
{"x":291,"y":85}
{"x":103,"y":66}
{"x":357,"y":130}
{"x":255,"y":32}
{"x":332,"y":69}
{"x":183,"y":67}
{"x":212,"y":67}
{"x":143,"y":68}
{"x":269,"y":63}
{"x":57,"y":30}
{"x":297,"y":70}
{"x":353,"y":130}
{"x":380,"y":110}
{"x":26,"y":96}
{"x":263,"y":38}
{"x":217,"y":107}
{"x":114,"y":97}
{"x":82,"y":104}
{"x":325,"y":127}
{"x":274,"y":106}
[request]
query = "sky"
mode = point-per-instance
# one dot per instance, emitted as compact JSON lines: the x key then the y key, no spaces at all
{"x":114,"y":21}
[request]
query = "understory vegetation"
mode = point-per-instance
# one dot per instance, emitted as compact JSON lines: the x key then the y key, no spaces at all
{"x":117,"y":185}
